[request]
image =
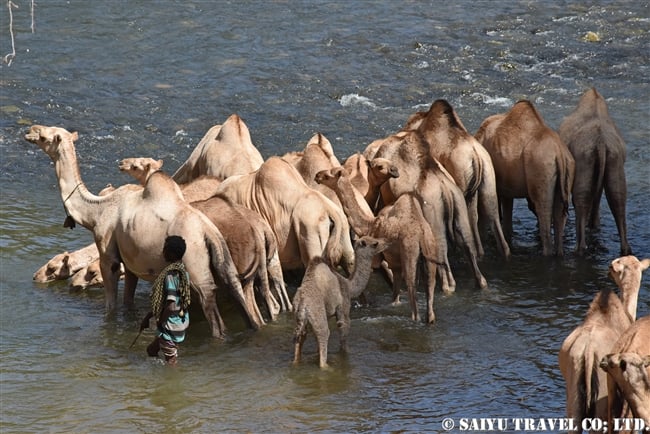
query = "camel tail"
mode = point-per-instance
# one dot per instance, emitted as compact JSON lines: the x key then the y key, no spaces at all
{"x":590,"y":376}
{"x":565,"y":183}
{"x":333,"y":249}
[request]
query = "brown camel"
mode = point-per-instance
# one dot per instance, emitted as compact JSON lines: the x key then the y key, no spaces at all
{"x":403,"y":225}
{"x":628,"y":373}
{"x":607,"y":318}
{"x":599,"y":153}
{"x":250,"y":241}
{"x":223,"y":151}
{"x":467,"y":162}
{"x":530,"y":161}
{"x":324,"y":293}
{"x":159,"y":209}
{"x":306,"y":224}
{"x":442,"y":202}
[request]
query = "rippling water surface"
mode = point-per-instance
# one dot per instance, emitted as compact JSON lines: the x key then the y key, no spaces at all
{"x":150,"y":78}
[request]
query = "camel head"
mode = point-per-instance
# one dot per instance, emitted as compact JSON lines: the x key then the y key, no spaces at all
{"x":376,"y":245}
{"x":329,"y":177}
{"x":49,"y":138}
{"x":140,"y":168}
{"x":57,"y":268}
{"x":630,"y":367}
{"x":383,"y":169}
{"x":627,"y":271}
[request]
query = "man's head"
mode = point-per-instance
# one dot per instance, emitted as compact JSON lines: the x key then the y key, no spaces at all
{"x":174,"y":248}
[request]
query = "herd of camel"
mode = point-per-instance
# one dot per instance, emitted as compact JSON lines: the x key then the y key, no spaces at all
{"x":405,"y":199}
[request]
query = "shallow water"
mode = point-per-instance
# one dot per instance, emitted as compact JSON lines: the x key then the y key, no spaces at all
{"x":145,"y":79}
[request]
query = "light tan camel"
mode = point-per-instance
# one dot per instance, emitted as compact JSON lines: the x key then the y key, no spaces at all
{"x":324,"y":293}
{"x":442,"y":202}
{"x":582,"y":350}
{"x":65,"y":264}
{"x":467,"y":162}
{"x":223,"y":151}
{"x":532,"y":162}
{"x":306,"y":224}
{"x":628,"y":369}
{"x":129,"y":227}
{"x":607,"y":318}
{"x":90,"y":277}
{"x":403,"y":225}
{"x":317,"y":155}
{"x":367,"y":176}
{"x":599,"y":152}
{"x":250,"y":240}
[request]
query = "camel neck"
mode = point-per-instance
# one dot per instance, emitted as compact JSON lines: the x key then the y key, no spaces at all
{"x":629,"y":296}
{"x":359,"y":219}
{"x":78,"y":202}
{"x":361,"y":274}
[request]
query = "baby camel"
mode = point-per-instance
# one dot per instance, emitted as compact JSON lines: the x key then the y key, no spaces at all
{"x":628,"y":373}
{"x":324,"y":293}
{"x":404,"y":225}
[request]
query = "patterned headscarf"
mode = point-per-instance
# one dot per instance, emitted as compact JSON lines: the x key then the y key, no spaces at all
{"x":158,"y":292}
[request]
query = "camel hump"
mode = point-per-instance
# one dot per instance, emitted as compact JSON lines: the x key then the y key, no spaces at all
{"x":441,"y":112}
{"x":234,"y":130}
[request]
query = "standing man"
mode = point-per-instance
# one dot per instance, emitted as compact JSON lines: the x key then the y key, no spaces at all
{"x":170,"y":299}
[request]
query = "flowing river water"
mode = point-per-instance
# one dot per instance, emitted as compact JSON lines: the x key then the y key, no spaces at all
{"x":144,"y":78}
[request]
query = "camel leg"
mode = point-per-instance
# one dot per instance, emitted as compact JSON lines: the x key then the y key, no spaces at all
{"x":322,"y":332}
{"x":249,"y":293}
{"x":397,"y":286}
{"x":489,"y":207}
{"x":208,"y":300}
{"x":409,"y":273}
{"x":506,"y":216}
{"x":110,"y":269}
{"x":299,"y":336}
{"x":616,"y":196}
{"x":343,"y":324}
{"x":130,"y":283}
{"x":472,"y":214}
{"x":560,"y":210}
{"x":431,"y":286}
{"x":276,"y":279}
{"x":465,"y":238}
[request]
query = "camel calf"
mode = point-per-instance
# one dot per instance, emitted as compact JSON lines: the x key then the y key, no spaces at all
{"x":324,"y":293}
{"x":628,"y":369}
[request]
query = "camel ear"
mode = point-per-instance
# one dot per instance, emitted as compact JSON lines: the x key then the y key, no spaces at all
{"x":74,"y":136}
{"x":646,"y":360}
{"x":159,"y":163}
{"x":338,"y":171}
{"x":645,"y":264}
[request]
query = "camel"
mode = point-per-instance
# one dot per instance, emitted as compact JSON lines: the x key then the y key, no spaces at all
{"x":607,"y":319}
{"x":249,"y":239}
{"x":403,"y":225}
{"x":324,"y":293}
{"x":90,"y":277}
{"x":223,"y":151}
{"x":599,"y":152}
{"x":367,"y":176}
{"x":530,"y":161}
{"x":467,"y":162}
{"x":118,"y":220}
{"x":442,"y":202}
{"x":65,"y":264}
{"x":317,"y":155}
{"x":628,"y":373}
{"x":306,"y":224}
